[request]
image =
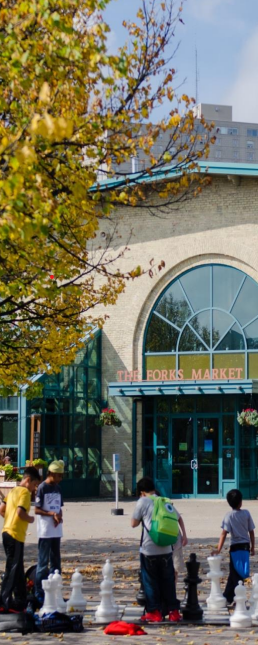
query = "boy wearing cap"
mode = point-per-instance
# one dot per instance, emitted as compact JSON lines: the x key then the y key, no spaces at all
{"x":48,"y":508}
{"x":15,"y":510}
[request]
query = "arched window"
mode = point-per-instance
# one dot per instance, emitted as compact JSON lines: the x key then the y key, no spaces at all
{"x":204,"y":322}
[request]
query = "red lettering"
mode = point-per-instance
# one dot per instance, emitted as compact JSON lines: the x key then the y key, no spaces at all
{"x":207,"y":374}
{"x":156,"y":378}
{"x":136,"y":375}
{"x":238,"y":371}
{"x":196,"y":376}
{"x":222,"y":373}
{"x":215,"y":374}
{"x":180,"y":375}
{"x":120,"y":375}
{"x":231,"y":373}
{"x":128,"y":376}
{"x":164,"y":375}
{"x":149,"y":375}
{"x":172,"y":375}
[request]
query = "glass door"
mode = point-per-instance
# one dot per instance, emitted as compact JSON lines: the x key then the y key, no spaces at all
{"x":183,"y":456}
{"x":207,"y":454}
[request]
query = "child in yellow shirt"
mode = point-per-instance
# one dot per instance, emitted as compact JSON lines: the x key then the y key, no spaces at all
{"x":15,"y":510}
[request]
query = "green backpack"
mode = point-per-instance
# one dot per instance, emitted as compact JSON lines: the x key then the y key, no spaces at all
{"x":164,"y":523}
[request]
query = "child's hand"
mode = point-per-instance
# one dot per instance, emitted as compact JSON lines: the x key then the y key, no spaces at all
{"x":184,"y":541}
{"x":31,"y":519}
{"x":215,"y":552}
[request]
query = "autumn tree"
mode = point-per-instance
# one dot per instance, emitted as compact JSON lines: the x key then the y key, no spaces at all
{"x":72,"y":114}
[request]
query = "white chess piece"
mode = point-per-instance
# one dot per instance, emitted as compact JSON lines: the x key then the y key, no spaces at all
{"x":216,"y":599}
{"x":61,"y":603}
{"x":107,"y":610}
{"x":254,"y":600}
{"x":76,"y":601}
{"x":241,"y":617}
{"x":50,"y":604}
{"x":251,"y":600}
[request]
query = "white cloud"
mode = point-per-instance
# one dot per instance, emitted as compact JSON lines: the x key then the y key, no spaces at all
{"x":242,"y":94}
{"x":207,"y":9}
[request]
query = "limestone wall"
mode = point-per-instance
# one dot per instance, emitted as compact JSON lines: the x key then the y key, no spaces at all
{"x":219,"y":226}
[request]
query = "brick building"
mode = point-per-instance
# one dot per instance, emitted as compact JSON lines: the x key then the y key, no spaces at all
{"x":177,"y":359}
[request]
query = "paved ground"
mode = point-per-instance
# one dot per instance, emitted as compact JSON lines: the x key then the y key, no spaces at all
{"x":92,"y":535}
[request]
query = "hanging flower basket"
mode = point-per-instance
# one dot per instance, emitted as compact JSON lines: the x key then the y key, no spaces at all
{"x":248,"y":417}
{"x":108,"y":417}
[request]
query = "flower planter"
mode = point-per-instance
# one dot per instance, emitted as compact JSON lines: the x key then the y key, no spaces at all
{"x":5,"y":487}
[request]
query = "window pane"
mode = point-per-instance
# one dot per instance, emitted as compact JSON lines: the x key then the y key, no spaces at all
{"x":225,"y":362}
{"x":8,"y":429}
{"x":51,"y":429}
{"x":196,"y":284}
{"x":208,"y":403}
{"x":162,"y":463}
{"x":80,"y":430}
{"x":253,"y":365}
{"x":79,"y":463}
{"x":229,"y":403}
{"x":246,"y":306}
{"x":149,"y":462}
{"x":182,"y":404}
{"x":66,"y":376}
{"x":221,"y":322}
{"x":251,"y":334}
{"x":93,"y":462}
{"x":161,"y":336}
{"x":189,"y":342}
{"x":93,"y":383}
{"x":162,"y":404}
{"x":232,"y":340}
{"x":148,"y":435}
{"x":228,"y":438}
{"x":173,"y":305}
{"x":162,"y":431}
{"x":194,"y":366}
{"x":201,"y":324}
{"x":65,"y":430}
{"x":231,"y":280}
{"x":9,"y":403}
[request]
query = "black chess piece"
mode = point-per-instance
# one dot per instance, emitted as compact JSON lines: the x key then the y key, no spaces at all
{"x":192,"y":609}
{"x":141,"y":594}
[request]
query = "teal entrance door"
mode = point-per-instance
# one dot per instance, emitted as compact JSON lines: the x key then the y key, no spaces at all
{"x":195,"y":456}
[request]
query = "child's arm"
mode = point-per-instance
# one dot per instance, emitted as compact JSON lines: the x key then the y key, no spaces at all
{"x":2,"y":509}
{"x":221,"y":542}
{"x":183,"y":531}
{"x":23,"y":515}
{"x":252,"y":540}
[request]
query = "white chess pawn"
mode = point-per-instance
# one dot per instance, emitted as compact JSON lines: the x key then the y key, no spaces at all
{"x":107,"y":610}
{"x":254,"y":600}
{"x":251,"y":600}
{"x":76,"y":601}
{"x":61,"y":603}
{"x":241,"y":617}
{"x":216,"y":599}
{"x":50,"y":604}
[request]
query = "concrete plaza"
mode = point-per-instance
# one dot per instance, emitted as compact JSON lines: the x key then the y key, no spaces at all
{"x":92,"y":534}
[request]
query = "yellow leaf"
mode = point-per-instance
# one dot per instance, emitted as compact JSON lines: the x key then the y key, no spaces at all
{"x":44,"y":95}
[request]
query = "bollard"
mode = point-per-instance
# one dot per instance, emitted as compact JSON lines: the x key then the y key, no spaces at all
{"x":141,"y":593}
{"x":192,"y":609}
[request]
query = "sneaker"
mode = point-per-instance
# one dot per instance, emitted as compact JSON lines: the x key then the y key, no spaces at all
{"x":175,"y":616}
{"x":152,"y":617}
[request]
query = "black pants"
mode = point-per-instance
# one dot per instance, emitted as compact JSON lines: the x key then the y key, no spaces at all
{"x":234,"y":577}
{"x":14,"y":577}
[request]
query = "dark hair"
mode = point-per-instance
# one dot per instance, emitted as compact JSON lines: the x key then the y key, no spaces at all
{"x":145,"y":485}
{"x":32,"y":473}
{"x":234,"y":498}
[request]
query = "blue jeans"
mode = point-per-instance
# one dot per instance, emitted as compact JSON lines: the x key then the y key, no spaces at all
{"x":158,"y":578}
{"x":48,"y":552}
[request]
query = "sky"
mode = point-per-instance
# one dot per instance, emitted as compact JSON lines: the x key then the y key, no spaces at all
{"x":225,"y":34}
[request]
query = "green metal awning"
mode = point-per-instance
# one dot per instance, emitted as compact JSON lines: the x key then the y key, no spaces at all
{"x":157,"y":388}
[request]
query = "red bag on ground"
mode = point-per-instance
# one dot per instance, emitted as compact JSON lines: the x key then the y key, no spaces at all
{"x":121,"y":628}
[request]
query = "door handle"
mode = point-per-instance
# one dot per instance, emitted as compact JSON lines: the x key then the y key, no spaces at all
{"x":194,"y":464}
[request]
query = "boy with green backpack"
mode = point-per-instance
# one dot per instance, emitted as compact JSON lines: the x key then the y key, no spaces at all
{"x":160,"y":531}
